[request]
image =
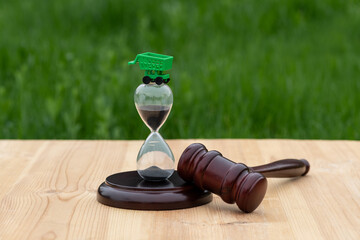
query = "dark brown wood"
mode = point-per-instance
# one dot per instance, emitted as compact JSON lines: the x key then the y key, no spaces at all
{"x":284,"y":168}
{"x":233,"y":182}
{"x":128,"y":190}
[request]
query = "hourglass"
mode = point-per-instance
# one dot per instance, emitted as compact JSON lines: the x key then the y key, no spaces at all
{"x":155,"y":185}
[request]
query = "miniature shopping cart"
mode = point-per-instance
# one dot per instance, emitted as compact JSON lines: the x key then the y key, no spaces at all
{"x":154,"y":65}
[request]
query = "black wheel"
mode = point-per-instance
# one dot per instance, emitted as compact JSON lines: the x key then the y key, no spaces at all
{"x":146,"y":79}
{"x":159,"y":80}
{"x":166,"y":80}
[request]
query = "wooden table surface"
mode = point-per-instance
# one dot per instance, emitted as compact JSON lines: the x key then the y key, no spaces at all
{"x":48,"y":191}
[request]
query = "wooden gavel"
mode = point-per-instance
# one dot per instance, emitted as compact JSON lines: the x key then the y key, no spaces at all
{"x":234,"y":182}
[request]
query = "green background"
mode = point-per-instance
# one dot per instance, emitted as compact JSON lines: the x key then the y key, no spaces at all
{"x":242,"y":69}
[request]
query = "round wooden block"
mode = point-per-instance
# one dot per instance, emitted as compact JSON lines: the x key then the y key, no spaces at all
{"x":128,"y":190}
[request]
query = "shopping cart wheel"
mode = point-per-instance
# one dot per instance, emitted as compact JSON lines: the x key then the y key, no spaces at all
{"x":159,"y":80}
{"x":146,"y":79}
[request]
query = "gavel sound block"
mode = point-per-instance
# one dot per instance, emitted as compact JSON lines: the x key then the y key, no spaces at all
{"x":234,"y":182}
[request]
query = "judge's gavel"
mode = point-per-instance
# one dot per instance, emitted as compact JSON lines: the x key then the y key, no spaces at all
{"x":234,"y":182}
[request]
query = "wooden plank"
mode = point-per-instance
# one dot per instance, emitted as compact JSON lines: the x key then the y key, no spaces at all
{"x":48,"y":191}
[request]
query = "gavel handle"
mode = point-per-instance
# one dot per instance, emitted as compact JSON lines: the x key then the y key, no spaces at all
{"x":284,"y":168}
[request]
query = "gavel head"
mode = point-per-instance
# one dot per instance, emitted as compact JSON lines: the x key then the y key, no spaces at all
{"x":233,"y":182}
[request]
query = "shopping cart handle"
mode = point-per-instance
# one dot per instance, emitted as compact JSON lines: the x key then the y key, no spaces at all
{"x":133,"y":62}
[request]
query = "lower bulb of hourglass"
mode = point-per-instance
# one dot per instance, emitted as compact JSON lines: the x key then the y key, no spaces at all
{"x":155,"y":161}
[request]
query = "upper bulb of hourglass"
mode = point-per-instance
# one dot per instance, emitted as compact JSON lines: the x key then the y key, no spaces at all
{"x":155,"y":161}
{"x":153,"y":103}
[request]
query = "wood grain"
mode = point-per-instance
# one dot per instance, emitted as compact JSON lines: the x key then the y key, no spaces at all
{"x":48,"y":191}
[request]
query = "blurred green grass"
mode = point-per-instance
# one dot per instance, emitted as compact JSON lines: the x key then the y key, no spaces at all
{"x":242,"y":69}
